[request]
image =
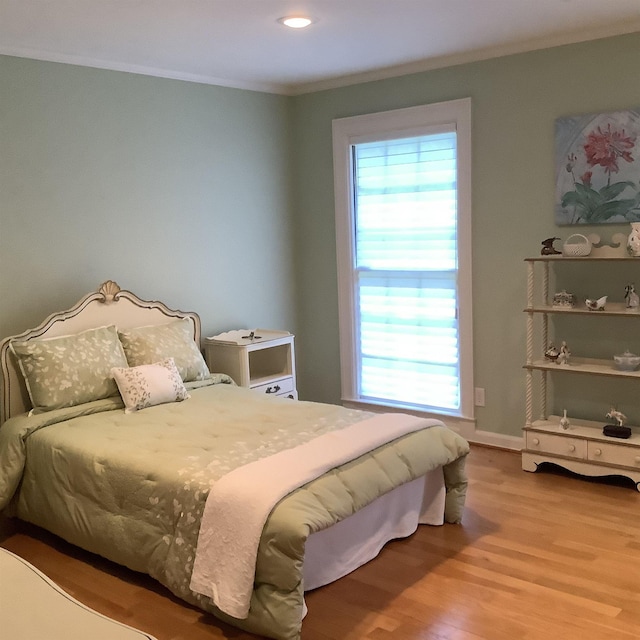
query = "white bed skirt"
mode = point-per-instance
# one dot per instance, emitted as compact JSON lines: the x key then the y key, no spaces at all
{"x":333,"y":553}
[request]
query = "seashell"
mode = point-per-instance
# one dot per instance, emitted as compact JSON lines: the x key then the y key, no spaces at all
{"x":109,"y":291}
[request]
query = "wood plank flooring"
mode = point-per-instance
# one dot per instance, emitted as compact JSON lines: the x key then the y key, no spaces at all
{"x":538,"y":556}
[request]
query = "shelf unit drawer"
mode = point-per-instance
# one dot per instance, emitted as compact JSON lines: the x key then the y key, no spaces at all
{"x":557,"y":445}
{"x":615,"y":454}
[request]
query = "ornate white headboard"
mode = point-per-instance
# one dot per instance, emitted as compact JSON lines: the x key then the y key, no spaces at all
{"x":109,"y":305}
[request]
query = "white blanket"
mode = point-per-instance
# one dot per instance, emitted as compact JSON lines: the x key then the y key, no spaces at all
{"x":241,"y":501}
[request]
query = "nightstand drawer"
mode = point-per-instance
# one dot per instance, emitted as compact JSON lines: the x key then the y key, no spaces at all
{"x":614,"y":454}
{"x":558,"y":445}
{"x":276,"y":388}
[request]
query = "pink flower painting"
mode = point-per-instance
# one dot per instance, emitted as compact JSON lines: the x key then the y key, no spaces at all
{"x":604,"y":148}
{"x":598,"y":171}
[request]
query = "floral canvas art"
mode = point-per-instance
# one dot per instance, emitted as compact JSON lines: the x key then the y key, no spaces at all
{"x":598,"y":168}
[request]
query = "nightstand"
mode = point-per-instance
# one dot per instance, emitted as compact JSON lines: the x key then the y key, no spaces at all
{"x":262,"y":360}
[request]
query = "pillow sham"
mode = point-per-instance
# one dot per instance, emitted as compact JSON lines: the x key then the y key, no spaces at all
{"x":149,"y":384}
{"x":146,"y":345}
{"x":70,"y":370}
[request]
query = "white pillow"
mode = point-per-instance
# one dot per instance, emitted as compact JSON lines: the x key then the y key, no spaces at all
{"x":149,"y":384}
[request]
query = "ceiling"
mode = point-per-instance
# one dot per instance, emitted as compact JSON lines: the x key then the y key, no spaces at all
{"x":239,"y":43}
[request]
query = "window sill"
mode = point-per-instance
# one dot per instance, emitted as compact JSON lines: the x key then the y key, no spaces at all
{"x":455,"y":421}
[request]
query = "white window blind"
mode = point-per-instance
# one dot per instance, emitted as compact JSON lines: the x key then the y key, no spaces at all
{"x":403,"y":238}
{"x":405,"y":215}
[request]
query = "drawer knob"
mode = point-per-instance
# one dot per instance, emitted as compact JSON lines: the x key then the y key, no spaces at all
{"x":572,"y":447}
{"x":637,"y":459}
{"x":597,"y":452}
{"x":536,"y":441}
{"x":274,"y":389}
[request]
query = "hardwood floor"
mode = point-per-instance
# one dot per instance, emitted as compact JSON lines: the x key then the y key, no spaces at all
{"x":538,"y":556}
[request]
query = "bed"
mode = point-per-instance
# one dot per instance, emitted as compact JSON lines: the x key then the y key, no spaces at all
{"x":115,"y":436}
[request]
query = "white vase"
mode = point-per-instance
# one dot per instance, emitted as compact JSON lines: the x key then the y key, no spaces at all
{"x":633,"y":241}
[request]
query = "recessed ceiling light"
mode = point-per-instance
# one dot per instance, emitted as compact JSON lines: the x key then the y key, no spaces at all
{"x":296,"y":22}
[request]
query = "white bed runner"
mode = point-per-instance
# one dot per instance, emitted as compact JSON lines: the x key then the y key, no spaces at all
{"x":240,"y":502}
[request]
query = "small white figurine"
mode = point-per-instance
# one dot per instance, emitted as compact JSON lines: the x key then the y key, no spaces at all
{"x":631,"y":297}
{"x":618,"y":416}
{"x":596,"y":305}
{"x":563,"y":356}
{"x":564,"y":421}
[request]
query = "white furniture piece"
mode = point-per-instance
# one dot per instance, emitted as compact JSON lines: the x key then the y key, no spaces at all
{"x":582,"y":448}
{"x":32,"y":606}
{"x":261,"y":359}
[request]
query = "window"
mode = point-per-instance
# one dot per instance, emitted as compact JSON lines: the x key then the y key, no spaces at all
{"x":403,"y":226}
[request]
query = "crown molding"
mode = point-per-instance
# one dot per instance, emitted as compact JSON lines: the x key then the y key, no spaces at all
{"x":169,"y":74}
{"x":476,"y":55}
{"x":300,"y":88}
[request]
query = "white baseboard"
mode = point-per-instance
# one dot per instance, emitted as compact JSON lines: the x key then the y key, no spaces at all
{"x":466,"y":427}
{"x":499,"y":440}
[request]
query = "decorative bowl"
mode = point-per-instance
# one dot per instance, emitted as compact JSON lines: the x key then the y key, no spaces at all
{"x":626,"y":361}
{"x":576,"y":246}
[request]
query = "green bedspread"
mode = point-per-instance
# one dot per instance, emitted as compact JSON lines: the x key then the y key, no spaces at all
{"x":132,"y":487}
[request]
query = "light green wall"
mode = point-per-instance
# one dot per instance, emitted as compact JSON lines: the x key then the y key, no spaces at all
{"x":515,"y":101}
{"x":180,"y":192}
{"x":221,"y":200}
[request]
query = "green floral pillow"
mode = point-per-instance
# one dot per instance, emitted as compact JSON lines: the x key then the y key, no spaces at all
{"x":70,"y":370}
{"x":147,"y":345}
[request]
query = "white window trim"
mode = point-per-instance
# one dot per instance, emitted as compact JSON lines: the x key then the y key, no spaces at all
{"x":391,"y":124}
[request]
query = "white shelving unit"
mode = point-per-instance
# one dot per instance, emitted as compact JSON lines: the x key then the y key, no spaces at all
{"x":582,"y":448}
{"x":261,"y":359}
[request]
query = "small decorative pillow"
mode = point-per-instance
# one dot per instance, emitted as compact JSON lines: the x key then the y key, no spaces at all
{"x":70,"y":370}
{"x":149,"y":384}
{"x":145,"y":345}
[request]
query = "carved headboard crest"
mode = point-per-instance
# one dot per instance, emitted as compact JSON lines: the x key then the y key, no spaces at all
{"x":110,"y":292}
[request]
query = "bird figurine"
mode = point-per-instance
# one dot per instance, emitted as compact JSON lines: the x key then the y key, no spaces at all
{"x":596,"y":305}
{"x":631,"y":297}
{"x":618,"y":416}
{"x":547,"y":247}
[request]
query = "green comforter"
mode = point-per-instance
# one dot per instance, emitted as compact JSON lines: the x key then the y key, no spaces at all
{"x":132,"y":487}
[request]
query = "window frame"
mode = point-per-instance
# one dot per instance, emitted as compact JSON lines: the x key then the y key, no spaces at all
{"x":419,"y":120}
